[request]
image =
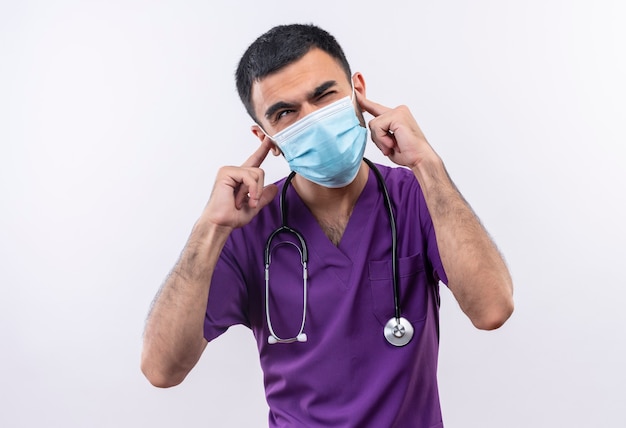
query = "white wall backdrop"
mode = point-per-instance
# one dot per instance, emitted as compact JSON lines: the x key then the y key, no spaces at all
{"x":115,"y":115}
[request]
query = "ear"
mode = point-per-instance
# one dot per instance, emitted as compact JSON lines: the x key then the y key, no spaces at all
{"x":359,"y":88}
{"x":359,"y":83}
{"x":258,"y":132}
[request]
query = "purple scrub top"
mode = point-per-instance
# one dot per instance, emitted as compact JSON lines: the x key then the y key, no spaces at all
{"x":346,"y":374}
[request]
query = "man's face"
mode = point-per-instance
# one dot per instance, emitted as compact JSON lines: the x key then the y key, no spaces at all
{"x":310,"y":83}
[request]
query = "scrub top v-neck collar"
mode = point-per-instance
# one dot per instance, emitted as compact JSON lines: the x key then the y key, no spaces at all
{"x":302,"y":219}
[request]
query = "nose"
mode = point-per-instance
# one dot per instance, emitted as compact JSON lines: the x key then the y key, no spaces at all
{"x":306,"y":109}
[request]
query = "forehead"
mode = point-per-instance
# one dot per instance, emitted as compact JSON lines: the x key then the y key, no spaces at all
{"x":295,"y":80}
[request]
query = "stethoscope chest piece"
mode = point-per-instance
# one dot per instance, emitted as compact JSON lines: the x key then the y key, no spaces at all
{"x":398,"y":331}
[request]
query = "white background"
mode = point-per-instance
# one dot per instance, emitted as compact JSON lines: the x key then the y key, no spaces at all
{"x":115,"y":115}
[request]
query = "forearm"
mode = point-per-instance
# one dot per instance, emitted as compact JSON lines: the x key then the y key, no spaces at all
{"x":173,"y":337}
{"x":477,"y":274}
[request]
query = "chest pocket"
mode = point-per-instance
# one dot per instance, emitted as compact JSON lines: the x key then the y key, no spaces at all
{"x":413,"y":288}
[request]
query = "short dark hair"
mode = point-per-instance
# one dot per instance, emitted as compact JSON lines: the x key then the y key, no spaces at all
{"x":279,"y":47}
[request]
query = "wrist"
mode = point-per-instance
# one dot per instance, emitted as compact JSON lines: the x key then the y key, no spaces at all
{"x":201,"y":252}
{"x":430,"y":171}
{"x":206,"y":233}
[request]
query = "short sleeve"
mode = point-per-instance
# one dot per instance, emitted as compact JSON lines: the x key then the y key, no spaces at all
{"x":227,"y":296}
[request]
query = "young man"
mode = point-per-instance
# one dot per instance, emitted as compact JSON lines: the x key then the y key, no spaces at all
{"x":341,"y":342}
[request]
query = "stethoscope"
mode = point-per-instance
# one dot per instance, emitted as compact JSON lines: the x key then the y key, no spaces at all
{"x":398,"y":331}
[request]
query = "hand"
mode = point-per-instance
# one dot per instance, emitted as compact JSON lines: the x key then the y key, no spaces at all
{"x":239,"y":194}
{"x":396,"y":133}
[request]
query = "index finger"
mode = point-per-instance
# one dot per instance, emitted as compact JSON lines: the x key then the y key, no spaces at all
{"x":371,"y":107}
{"x":257,"y":158}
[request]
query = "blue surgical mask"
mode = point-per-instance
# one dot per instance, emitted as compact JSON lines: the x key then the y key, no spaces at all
{"x":326,"y":146}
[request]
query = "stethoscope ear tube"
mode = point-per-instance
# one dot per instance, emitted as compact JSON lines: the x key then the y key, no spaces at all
{"x":304,"y":258}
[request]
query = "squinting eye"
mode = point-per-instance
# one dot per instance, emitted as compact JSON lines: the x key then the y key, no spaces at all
{"x":282,"y":114}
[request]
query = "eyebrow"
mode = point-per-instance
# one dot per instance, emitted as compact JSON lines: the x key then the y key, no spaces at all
{"x":318,"y":91}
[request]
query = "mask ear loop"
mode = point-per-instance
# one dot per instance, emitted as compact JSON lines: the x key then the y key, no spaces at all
{"x":269,"y":136}
{"x":263,"y":131}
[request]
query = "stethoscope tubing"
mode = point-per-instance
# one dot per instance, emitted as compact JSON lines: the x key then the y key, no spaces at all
{"x":394,"y":237}
{"x":398,"y":331}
